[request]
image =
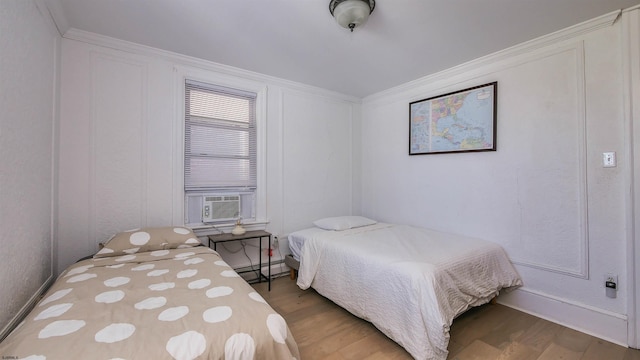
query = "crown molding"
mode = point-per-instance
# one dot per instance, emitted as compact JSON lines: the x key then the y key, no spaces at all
{"x":176,"y":58}
{"x":570,"y":33}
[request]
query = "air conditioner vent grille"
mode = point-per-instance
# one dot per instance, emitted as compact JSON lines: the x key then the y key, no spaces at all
{"x":220,"y":207}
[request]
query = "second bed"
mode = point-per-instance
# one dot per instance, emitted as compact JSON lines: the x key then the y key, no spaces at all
{"x":409,"y":282}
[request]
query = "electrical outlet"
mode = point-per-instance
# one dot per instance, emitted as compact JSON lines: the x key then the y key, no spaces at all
{"x":611,"y":285}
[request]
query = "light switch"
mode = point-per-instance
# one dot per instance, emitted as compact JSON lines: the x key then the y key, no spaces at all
{"x":609,"y":159}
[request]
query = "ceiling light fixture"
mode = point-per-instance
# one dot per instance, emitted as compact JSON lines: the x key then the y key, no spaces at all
{"x":351,"y":13}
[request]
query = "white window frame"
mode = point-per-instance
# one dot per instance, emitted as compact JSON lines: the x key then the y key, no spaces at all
{"x":187,"y":73}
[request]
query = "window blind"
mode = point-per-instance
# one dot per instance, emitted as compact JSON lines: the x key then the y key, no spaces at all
{"x":220,"y":138}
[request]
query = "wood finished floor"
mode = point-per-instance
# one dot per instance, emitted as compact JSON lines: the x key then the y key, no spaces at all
{"x":324,"y":330}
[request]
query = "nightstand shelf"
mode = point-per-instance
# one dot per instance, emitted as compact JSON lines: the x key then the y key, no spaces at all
{"x":255,"y":234}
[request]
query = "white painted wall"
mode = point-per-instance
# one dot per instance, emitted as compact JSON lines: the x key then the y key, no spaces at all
{"x":317,"y":137}
{"x":29,"y":47}
{"x":630,"y":24}
{"x":121,"y":140}
{"x":543,"y":195}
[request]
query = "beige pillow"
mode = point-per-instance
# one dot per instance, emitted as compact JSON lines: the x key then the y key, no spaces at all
{"x":148,"y":239}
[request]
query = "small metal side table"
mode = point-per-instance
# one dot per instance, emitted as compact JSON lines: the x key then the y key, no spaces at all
{"x":255,"y":234}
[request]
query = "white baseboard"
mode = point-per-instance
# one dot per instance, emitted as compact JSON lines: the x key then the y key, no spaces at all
{"x":25,"y":309}
{"x":596,"y":322}
{"x":276,"y":269}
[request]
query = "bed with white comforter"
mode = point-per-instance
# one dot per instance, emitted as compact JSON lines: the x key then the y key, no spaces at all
{"x":409,"y":282}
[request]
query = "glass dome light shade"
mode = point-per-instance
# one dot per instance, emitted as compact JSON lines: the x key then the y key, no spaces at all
{"x":352,"y":13}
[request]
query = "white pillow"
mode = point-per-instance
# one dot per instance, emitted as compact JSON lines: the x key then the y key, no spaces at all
{"x":343,"y":222}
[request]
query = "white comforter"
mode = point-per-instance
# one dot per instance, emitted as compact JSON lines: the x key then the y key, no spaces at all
{"x":409,"y":282}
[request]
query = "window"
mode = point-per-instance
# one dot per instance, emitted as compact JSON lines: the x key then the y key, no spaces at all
{"x":220,"y":148}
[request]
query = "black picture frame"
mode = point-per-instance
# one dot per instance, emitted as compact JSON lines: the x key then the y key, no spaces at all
{"x":459,"y":121}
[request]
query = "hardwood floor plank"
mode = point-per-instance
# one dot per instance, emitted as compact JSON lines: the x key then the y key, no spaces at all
{"x":478,"y":322}
{"x":341,"y":341}
{"x":600,"y":349}
{"x":573,"y":340}
{"x":632,"y":354}
{"x":509,"y":330}
{"x":555,"y":352}
{"x":368,"y":347}
{"x":540,"y":334}
{"x":518,"y":351}
{"x":478,"y":350}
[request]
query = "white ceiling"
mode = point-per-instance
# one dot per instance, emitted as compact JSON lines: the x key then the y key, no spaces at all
{"x":299,"y":40}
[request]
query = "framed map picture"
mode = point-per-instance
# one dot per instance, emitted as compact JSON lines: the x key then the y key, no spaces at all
{"x":460,"y":121}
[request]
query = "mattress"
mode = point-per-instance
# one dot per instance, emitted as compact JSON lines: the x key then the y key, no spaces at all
{"x":297,"y":239}
{"x":409,"y":282}
{"x":180,"y":303}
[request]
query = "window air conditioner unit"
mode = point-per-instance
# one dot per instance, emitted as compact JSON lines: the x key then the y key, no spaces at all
{"x":220,"y":207}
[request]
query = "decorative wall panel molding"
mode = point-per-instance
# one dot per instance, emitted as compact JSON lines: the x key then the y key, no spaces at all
{"x":552,"y":194}
{"x":118,"y":175}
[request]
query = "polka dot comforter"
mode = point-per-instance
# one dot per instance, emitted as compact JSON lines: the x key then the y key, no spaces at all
{"x":409,"y":282}
{"x":181,"y":304}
